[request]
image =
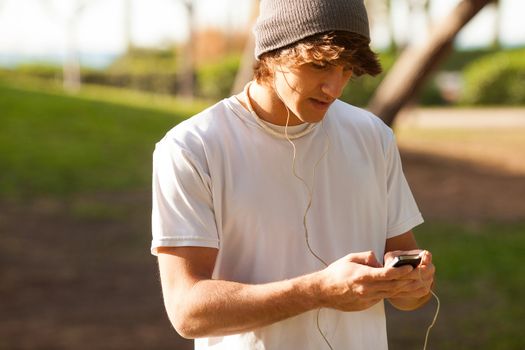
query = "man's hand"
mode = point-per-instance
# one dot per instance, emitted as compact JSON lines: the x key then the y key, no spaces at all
{"x":358,"y":281}
{"x":421,"y":279}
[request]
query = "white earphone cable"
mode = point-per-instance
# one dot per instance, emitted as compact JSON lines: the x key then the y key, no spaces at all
{"x":435,"y":315}
{"x":310,"y":195}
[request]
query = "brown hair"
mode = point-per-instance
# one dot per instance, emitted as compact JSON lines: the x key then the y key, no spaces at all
{"x":335,"y":47}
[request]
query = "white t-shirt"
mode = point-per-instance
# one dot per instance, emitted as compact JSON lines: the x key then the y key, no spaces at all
{"x":221,"y":181}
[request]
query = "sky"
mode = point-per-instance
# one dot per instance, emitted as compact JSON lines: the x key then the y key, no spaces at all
{"x":38,"y":27}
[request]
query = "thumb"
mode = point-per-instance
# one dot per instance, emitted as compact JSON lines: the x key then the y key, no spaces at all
{"x":364,"y":258}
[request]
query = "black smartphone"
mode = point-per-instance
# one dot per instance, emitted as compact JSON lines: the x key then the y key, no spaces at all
{"x":408,"y":259}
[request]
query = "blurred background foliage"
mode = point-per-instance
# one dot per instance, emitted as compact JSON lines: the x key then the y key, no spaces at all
{"x":495,"y":79}
{"x":479,"y":77}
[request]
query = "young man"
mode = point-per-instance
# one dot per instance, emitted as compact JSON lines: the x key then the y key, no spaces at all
{"x":276,"y":211}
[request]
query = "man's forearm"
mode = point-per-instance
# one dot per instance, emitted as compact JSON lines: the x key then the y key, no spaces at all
{"x":216,"y":307}
{"x":201,"y":307}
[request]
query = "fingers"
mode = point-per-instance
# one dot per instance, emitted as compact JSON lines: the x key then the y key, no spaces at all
{"x":391,"y":273}
{"x":412,"y":289}
{"x":368,"y":295}
{"x":426,"y":257}
{"x":419,"y":282}
{"x":386,"y":289}
{"x":422,"y":273}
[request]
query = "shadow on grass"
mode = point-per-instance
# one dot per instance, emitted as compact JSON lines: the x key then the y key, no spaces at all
{"x":463,"y":191}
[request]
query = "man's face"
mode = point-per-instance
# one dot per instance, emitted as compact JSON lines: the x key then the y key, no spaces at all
{"x":309,"y":89}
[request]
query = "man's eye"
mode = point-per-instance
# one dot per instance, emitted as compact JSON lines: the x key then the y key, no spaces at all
{"x":319,"y":65}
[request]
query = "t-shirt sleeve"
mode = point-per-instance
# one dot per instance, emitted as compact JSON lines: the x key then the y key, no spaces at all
{"x":403,"y":213}
{"x":182,"y":206}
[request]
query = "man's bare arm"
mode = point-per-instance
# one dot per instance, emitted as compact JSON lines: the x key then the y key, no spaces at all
{"x":199,"y":306}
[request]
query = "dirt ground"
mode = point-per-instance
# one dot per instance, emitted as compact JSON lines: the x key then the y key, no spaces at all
{"x":78,"y":279}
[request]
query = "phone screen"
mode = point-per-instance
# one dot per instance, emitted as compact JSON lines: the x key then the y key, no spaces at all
{"x":411,"y":259}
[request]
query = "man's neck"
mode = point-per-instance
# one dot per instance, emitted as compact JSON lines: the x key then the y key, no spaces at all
{"x":267,"y":105}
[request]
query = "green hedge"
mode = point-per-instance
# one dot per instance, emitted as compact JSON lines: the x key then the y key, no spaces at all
{"x":215,"y":80}
{"x":160,"y":81}
{"x":152,"y":70}
{"x":497,"y":79}
{"x":40,"y":70}
{"x":145,"y":61}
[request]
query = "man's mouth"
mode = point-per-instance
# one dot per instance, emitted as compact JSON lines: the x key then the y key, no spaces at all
{"x":321,"y":104}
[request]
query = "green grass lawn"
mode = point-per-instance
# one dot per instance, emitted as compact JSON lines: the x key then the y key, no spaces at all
{"x":99,"y":140}
{"x":480,"y":280}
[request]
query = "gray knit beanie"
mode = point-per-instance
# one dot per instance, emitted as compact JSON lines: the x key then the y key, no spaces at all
{"x":284,"y":22}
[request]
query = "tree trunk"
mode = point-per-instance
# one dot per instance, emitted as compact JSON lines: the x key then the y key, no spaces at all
{"x":415,"y":64}
{"x":496,"y":43}
{"x":187,"y":75}
{"x":71,"y":66}
{"x":71,"y":63}
{"x":128,"y":24}
{"x":392,"y":46}
{"x":245,"y":72}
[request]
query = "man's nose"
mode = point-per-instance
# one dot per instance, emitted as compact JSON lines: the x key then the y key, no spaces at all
{"x":335,"y":81}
